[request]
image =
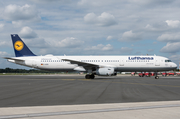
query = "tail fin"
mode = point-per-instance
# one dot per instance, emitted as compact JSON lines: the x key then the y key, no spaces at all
{"x":20,"y":47}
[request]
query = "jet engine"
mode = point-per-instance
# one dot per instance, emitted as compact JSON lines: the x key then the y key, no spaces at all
{"x":105,"y":72}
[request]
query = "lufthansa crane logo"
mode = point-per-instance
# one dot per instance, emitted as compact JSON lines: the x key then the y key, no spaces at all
{"x":18,"y":45}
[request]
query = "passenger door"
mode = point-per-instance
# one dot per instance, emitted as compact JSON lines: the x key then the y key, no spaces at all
{"x":157,"y":62}
{"x":121,"y":62}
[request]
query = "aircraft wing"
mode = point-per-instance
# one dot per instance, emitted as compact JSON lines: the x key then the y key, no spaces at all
{"x":83,"y":64}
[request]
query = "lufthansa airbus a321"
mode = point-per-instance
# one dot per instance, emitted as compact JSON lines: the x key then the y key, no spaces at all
{"x":93,"y":65}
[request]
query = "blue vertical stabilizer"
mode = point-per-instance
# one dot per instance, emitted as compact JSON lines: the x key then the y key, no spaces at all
{"x":20,"y":47}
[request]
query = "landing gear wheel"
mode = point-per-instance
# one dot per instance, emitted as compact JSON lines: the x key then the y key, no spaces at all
{"x":87,"y":76}
{"x":92,"y":76}
{"x":156,"y":77}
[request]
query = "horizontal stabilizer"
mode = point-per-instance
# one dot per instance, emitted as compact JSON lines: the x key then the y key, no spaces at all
{"x":13,"y":58}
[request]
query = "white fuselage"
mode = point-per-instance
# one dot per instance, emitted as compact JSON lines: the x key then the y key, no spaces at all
{"x":119,"y":63}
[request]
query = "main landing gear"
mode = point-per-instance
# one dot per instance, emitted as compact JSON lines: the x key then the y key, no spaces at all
{"x":88,"y":76}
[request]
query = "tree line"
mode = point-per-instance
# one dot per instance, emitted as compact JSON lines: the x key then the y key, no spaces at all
{"x":10,"y":70}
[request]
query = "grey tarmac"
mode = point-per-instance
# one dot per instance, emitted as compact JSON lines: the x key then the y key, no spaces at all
{"x":49,"y":90}
{"x":72,"y":96}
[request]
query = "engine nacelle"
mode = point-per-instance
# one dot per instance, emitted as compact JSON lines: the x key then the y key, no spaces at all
{"x":105,"y":72}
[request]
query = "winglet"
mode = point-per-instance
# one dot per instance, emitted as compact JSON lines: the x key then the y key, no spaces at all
{"x":20,"y":47}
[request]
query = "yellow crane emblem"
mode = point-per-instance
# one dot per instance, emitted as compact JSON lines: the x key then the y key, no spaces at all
{"x":18,"y":45}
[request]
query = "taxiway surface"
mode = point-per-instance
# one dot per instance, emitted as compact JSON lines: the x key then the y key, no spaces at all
{"x":48,"y":90}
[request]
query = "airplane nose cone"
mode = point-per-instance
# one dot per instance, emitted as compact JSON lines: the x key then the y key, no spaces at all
{"x":174,"y":65}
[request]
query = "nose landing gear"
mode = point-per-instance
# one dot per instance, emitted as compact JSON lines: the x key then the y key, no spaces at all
{"x":156,"y":75}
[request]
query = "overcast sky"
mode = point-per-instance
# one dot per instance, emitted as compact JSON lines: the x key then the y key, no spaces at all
{"x":91,"y":27}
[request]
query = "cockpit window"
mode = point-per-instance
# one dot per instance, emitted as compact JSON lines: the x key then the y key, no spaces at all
{"x":168,"y":61}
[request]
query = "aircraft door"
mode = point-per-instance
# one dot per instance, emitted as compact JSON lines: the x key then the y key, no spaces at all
{"x":157,"y":62}
{"x":121,"y":63}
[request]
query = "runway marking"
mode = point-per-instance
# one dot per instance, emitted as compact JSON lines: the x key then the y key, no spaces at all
{"x":86,"y":111}
{"x":68,"y":79}
{"x":85,"y":79}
